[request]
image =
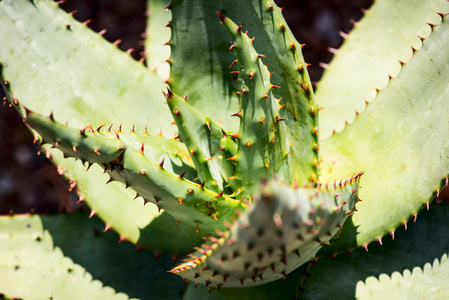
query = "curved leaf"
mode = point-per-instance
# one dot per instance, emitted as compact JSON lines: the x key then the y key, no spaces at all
{"x":53,"y":63}
{"x":282,"y":229}
{"x":201,"y":64}
{"x":157,"y":34}
{"x":426,"y":283}
{"x":401,"y":142}
{"x":65,"y":256}
{"x":387,"y":34}
{"x":341,"y":277}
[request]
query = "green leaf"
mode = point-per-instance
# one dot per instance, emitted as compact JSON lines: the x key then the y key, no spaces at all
{"x":68,"y":257}
{"x":429,"y":282}
{"x":401,"y":142}
{"x":282,"y":229}
{"x":206,"y":79}
{"x":371,"y":52}
{"x":157,"y":34}
{"x":262,"y":149}
{"x":185,"y":200}
{"x":202,"y":137}
{"x":134,"y":221}
{"x":55,"y":64}
{"x":342,"y":277}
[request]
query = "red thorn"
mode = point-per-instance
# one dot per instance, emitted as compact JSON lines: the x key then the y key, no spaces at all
{"x":431,"y":25}
{"x":107,"y":227}
{"x":181,"y":176}
{"x":161,"y":164}
{"x":122,"y":239}
{"x":279,"y":119}
{"x":224,"y":133}
{"x":116,"y":135}
{"x":220,"y":233}
{"x":277,"y":221}
{"x":51,"y":116}
{"x":332,"y":50}
{"x":323,"y":65}
{"x":132,"y":130}
{"x":141,"y":149}
{"x":222,"y":17}
{"x":343,"y":35}
{"x":366,"y":247}
{"x":169,"y":94}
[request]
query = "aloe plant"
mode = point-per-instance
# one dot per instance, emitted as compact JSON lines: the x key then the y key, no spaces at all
{"x":218,"y":152}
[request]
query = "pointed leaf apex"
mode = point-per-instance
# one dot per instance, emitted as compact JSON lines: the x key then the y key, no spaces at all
{"x":222,"y":17}
{"x":169,"y":94}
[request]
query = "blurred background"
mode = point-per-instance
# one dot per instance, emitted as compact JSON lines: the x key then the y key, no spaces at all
{"x":29,"y":182}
